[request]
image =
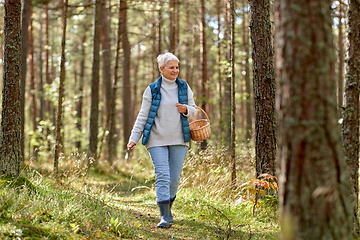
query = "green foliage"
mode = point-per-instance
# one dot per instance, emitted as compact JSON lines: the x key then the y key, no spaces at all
{"x":227,"y":221}
{"x":20,"y":182}
{"x":58,"y":209}
{"x":119,"y":229}
{"x":115,"y":225}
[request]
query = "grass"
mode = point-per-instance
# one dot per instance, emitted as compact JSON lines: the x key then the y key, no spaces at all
{"x":121,"y":203}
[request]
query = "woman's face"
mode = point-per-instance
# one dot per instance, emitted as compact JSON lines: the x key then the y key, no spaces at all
{"x":170,"y":70}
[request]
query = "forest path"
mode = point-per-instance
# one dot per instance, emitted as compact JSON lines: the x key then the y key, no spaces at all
{"x":193,"y":219}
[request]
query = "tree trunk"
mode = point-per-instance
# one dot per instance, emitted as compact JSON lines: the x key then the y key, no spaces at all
{"x":172,"y":28}
{"x":154,"y":48}
{"x":233,"y":106}
{"x":219,"y":68}
{"x":135,"y":84}
{"x":193,"y":53}
{"x":94,"y":114}
{"x":177,"y":29}
{"x":264,"y":87}
{"x":47,"y":57}
{"x":341,"y":59}
{"x":58,"y":144}
{"x":197,"y":62}
{"x":26,"y":12}
{"x":350,"y":125}
{"x":106,"y":58}
{"x":188,"y":46}
{"x":106,"y":73}
{"x":158,"y":39}
{"x":32,"y":82}
{"x":126,"y":94}
{"x":79,"y":104}
{"x":248,"y":106}
{"x":227,"y":82}
{"x":111,"y":140}
{"x":10,"y":146}
{"x":159,"y":32}
{"x":314,"y":187}
{"x":47,"y":73}
{"x":203,"y":63}
{"x":41,"y":75}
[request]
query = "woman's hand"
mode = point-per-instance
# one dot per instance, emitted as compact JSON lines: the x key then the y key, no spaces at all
{"x":131,"y":146}
{"x":181,"y":108}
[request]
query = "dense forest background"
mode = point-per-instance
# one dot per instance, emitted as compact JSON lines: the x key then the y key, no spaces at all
{"x":199,"y":36}
{"x":201,"y":40}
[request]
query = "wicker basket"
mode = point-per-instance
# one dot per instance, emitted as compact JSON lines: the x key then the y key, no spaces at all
{"x":200,"y":129}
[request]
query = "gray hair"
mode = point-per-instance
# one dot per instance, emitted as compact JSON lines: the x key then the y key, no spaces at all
{"x":162,"y":59}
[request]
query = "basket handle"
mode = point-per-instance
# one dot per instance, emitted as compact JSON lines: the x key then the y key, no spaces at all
{"x":199,"y":108}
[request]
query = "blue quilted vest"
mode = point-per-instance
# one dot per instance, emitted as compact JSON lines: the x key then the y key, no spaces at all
{"x":155,"y":103}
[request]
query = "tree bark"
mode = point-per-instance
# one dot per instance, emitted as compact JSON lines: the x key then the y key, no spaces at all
{"x":80,"y":93}
{"x":10,"y":146}
{"x":172,"y":26}
{"x":264,"y":87}
{"x":341,"y":59}
{"x":94,"y":114}
{"x":49,"y":104}
{"x":233,"y":106}
{"x":204,"y":70}
{"x":106,"y":58}
{"x":111,"y":140}
{"x":126,"y":94}
{"x":41,"y":75}
{"x":350,"y":125}
{"x":219,"y":67}
{"x":177,"y":30}
{"x":32,"y":82}
{"x":227,"y":82}
{"x":135,"y":84}
{"x":248,"y":106}
{"x":154,"y":48}
{"x":26,"y":12}
{"x":106,"y":72}
{"x":59,"y":144}
{"x":159,"y":32}
{"x":158,"y":38}
{"x":314,"y":187}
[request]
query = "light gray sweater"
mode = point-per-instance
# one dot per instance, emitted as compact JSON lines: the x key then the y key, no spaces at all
{"x":167,"y":129}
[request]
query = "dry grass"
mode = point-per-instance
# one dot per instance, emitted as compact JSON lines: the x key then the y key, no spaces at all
{"x":210,"y":170}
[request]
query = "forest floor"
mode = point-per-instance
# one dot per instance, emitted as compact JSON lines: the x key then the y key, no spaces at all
{"x":122,"y":205}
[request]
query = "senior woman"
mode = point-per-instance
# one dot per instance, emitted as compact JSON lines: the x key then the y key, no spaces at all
{"x":163,"y":122}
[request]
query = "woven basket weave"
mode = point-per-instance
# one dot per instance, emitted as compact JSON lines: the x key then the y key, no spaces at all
{"x":200,"y":129}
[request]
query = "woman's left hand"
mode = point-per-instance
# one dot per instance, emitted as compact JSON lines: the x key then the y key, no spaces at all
{"x":181,"y":108}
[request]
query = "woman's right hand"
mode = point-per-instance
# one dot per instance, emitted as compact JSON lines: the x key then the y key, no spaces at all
{"x":131,"y":146}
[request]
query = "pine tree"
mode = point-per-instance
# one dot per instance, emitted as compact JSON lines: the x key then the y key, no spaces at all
{"x":264,"y":87}
{"x":350,"y":125}
{"x":314,"y":188}
{"x":10,"y":146}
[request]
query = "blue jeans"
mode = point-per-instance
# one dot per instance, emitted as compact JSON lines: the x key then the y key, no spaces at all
{"x":168,"y":162}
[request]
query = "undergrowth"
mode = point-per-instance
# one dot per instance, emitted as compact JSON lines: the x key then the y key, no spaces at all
{"x":118,"y":201}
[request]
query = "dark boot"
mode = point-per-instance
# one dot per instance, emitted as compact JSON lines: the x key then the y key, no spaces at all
{"x":171,"y":220}
{"x":164,"y":215}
